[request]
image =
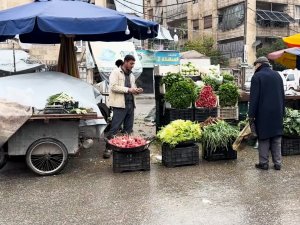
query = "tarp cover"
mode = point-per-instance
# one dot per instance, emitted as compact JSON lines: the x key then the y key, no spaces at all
{"x":12,"y":117}
{"x":34,"y":89}
{"x":21,"y":61}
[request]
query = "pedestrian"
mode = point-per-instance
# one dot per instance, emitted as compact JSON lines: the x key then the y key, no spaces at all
{"x":119,"y":62}
{"x":122,"y":91}
{"x":266,"y":111}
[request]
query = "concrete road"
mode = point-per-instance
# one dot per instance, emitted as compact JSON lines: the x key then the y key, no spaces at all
{"x":212,"y":193}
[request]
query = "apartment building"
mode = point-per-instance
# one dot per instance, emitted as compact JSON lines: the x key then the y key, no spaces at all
{"x":241,"y":27}
{"x":169,"y":13}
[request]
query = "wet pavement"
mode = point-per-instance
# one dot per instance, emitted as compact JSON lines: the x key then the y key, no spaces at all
{"x":88,"y":192}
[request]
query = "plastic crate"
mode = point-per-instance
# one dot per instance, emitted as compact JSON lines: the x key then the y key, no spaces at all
{"x":131,"y":161}
{"x":201,"y":114}
{"x":290,"y":146}
{"x":221,"y":153}
{"x":193,"y":77}
{"x":228,"y":112}
{"x":180,"y":156}
{"x":175,"y":114}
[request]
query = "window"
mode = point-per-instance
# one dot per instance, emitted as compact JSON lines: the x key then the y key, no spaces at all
{"x":290,"y":77}
{"x":231,"y":17}
{"x":195,"y":24}
{"x":297,"y":12}
{"x":207,"y":22}
{"x":150,"y":14}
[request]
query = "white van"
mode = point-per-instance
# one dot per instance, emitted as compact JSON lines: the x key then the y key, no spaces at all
{"x":290,"y":79}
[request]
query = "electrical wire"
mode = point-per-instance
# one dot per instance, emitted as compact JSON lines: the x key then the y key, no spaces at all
{"x":159,"y":6}
{"x":147,"y":13}
{"x":184,"y":29}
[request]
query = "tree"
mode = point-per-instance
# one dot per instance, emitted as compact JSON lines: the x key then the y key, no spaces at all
{"x":206,"y":47}
{"x":278,"y":44}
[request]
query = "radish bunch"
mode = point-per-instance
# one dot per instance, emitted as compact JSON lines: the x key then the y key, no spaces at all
{"x":127,"y":141}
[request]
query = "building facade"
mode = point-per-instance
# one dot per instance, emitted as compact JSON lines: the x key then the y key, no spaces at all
{"x":241,"y":27}
{"x":171,"y":14}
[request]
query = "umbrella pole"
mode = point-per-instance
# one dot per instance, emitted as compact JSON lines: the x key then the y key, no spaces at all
{"x":67,"y":62}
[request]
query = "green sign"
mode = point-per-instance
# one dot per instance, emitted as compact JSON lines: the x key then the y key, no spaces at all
{"x":167,"y":58}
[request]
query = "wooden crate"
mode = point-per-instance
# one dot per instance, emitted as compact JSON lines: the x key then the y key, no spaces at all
{"x":228,"y":112}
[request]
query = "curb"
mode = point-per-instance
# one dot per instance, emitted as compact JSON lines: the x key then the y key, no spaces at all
{"x":145,"y":96}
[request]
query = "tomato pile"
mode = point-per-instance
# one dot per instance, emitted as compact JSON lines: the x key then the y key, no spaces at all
{"x":127,"y":141}
{"x":206,"y":98}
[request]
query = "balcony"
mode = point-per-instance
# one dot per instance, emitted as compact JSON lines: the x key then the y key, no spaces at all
{"x":226,"y":3}
{"x":176,"y":13}
{"x":233,"y":33}
{"x":272,"y":31}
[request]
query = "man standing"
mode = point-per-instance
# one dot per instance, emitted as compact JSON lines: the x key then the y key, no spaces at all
{"x":122,"y":91}
{"x":266,"y":110}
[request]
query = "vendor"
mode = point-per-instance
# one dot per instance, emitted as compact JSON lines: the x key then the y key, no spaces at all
{"x":122,"y":91}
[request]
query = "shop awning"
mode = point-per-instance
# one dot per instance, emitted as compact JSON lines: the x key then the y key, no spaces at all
{"x":164,"y":34}
{"x":274,"y":16}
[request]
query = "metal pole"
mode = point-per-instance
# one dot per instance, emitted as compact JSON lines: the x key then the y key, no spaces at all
{"x":14,"y":56}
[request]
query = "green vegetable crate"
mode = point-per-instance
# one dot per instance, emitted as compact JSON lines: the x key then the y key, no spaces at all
{"x":201,"y":114}
{"x":133,"y":161}
{"x":290,"y":145}
{"x":221,"y":153}
{"x":175,"y":114}
{"x":180,"y":155}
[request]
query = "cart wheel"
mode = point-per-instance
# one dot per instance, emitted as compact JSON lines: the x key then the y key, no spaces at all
{"x":3,"y":157}
{"x":46,"y":156}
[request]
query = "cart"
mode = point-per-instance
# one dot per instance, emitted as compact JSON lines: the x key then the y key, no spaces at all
{"x":47,"y":140}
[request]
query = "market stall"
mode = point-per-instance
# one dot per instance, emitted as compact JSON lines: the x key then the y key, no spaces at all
{"x":48,"y":22}
{"x":47,"y":107}
{"x":191,"y":110}
{"x":47,"y":140}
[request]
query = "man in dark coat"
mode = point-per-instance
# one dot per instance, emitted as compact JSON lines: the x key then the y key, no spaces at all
{"x":266,"y":110}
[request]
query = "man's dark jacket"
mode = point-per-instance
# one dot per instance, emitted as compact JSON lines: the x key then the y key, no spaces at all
{"x":267,"y":102}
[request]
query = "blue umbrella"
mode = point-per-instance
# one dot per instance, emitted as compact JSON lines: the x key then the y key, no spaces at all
{"x":58,"y":21}
{"x":44,"y":21}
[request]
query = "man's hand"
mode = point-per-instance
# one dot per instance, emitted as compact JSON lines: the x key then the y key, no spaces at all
{"x":133,"y":91}
{"x":140,"y":90}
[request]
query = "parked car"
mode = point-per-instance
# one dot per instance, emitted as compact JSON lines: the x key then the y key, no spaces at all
{"x":290,"y":79}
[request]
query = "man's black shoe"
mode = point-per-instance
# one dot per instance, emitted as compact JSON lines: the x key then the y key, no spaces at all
{"x":277,"y":167}
{"x":106,"y":154}
{"x":262,"y":166}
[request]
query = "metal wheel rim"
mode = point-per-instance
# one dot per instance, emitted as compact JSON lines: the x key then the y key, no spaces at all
{"x":47,"y":163}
